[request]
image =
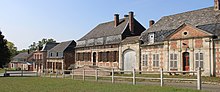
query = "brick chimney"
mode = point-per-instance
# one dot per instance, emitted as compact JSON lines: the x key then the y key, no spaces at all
{"x":217,"y":5}
{"x":116,"y":19}
{"x":131,"y":22}
{"x":151,"y":23}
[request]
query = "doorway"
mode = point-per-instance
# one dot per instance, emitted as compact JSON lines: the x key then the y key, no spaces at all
{"x":94,"y":59}
{"x":129,"y":60}
{"x":186,"y":61}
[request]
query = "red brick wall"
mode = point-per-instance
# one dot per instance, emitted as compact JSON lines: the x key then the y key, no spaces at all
{"x":198,"y":43}
{"x":191,"y":32}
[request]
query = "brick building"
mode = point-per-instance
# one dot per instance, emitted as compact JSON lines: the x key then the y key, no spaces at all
{"x":113,"y":44}
{"x":22,"y":61}
{"x":61,"y":56}
{"x":40,"y":56}
{"x":184,"y":42}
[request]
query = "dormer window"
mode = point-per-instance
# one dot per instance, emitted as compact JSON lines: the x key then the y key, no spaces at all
{"x":151,"y":38}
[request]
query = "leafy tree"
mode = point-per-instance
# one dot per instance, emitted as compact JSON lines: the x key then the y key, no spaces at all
{"x":12,"y":49}
{"x":40,"y":44}
{"x":4,"y":51}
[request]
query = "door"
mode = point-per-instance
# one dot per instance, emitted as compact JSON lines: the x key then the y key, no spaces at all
{"x":94,"y":58}
{"x":186,"y":61}
{"x":129,"y":60}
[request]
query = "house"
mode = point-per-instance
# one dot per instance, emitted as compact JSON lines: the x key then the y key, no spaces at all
{"x":113,"y":44}
{"x":40,"y":56}
{"x":61,"y":56}
{"x":22,"y":61}
{"x":184,"y":42}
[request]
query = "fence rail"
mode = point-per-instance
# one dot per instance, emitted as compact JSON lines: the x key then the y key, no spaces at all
{"x":21,"y":73}
{"x":96,"y":73}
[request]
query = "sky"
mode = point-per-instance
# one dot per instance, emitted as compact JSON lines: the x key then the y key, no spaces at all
{"x":26,"y":21}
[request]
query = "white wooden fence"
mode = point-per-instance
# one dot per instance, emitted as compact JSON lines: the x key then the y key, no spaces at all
{"x":134,"y":77}
{"x":21,"y":73}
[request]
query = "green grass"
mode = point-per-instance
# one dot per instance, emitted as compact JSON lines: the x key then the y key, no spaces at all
{"x":37,"y":84}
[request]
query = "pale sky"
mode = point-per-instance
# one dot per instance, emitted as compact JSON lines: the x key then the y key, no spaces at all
{"x":26,"y":21}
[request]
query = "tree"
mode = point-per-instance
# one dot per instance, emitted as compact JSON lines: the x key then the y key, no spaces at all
{"x":12,"y":49}
{"x":4,"y":51}
{"x":40,"y":44}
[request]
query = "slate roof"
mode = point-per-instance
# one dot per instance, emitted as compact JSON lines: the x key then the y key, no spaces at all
{"x":106,"y":29}
{"x":107,"y":33}
{"x":61,"y":47}
{"x":49,"y":46}
{"x":23,"y":55}
{"x":206,"y":19}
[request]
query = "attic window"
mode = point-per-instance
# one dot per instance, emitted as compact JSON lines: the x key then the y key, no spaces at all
{"x":151,"y":38}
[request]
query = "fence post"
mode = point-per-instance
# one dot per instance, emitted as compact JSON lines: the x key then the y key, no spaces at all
{"x":72,"y":74}
{"x":83,"y":74}
{"x":50,"y":74}
{"x":112,"y":75}
{"x":134,"y":81}
{"x":56,"y":74}
{"x":199,"y":78}
{"x":96,"y":74}
{"x":63,"y":74}
{"x":22,"y":72}
{"x":161,"y":77}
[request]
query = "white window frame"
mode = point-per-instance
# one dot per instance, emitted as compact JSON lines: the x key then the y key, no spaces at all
{"x":173,"y":61}
{"x":144,"y":59}
{"x":156,"y":60}
{"x":199,"y":60}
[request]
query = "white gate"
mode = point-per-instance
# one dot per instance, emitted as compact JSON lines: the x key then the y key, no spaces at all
{"x":129,"y":60}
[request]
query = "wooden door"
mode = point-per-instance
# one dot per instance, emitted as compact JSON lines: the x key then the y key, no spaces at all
{"x":186,"y":61}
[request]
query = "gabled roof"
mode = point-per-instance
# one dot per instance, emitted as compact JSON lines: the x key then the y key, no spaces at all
{"x":62,"y":46}
{"x":206,"y":19}
{"x":108,"y":29}
{"x":23,"y":55}
{"x":49,"y":46}
{"x":183,"y":25}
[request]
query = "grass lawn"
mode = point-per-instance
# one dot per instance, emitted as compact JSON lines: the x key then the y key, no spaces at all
{"x":37,"y":84}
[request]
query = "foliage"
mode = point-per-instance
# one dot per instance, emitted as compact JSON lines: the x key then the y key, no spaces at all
{"x":4,"y":52}
{"x":39,"y":84}
{"x":40,"y":44}
{"x":12,"y":49}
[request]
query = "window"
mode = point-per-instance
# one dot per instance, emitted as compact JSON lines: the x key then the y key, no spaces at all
{"x":57,"y":54}
{"x":173,"y":60}
{"x":199,"y":60}
{"x":145,"y":60}
{"x":155,"y":60}
{"x":151,"y":38}
{"x":51,"y":54}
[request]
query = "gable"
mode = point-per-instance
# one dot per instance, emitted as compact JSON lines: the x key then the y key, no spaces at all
{"x":188,"y":31}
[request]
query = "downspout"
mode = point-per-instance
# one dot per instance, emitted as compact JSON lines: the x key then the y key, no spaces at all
{"x":168,"y":62}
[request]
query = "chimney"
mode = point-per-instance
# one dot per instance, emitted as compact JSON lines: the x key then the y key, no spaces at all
{"x":116,"y":19}
{"x":217,"y":5}
{"x":151,"y":23}
{"x":131,"y":22}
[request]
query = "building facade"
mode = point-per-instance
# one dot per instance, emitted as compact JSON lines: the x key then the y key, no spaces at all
{"x":40,"y":56}
{"x":183,"y":42}
{"x":61,"y":56}
{"x":113,"y":44}
{"x":22,"y":61}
